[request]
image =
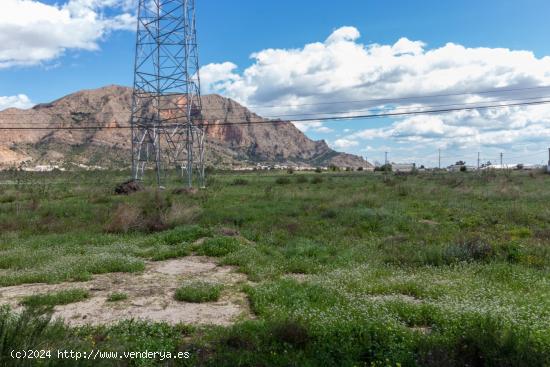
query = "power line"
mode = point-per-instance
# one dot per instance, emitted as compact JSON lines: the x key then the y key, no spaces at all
{"x":396,"y":99}
{"x":405,"y":98}
{"x":391,"y":109}
{"x":271,"y":122}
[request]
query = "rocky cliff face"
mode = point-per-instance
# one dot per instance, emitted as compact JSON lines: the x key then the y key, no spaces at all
{"x":109,"y":107}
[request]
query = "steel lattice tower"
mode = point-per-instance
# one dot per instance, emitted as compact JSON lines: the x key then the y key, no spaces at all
{"x":166,"y":120}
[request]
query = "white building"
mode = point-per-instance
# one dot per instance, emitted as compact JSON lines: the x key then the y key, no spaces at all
{"x":403,"y":167}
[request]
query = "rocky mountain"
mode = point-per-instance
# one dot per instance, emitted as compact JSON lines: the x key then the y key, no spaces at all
{"x":109,"y":107}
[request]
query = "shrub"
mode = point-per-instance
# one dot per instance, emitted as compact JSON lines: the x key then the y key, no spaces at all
{"x":180,"y":214}
{"x":117,"y":296}
{"x":56,"y":298}
{"x":543,"y":234}
{"x":403,"y":190}
{"x":24,"y":331}
{"x":290,"y":171}
{"x":383,"y":168}
{"x":292,"y":333}
{"x":219,"y":246}
{"x":282,"y":181}
{"x":316,"y":180}
{"x":301,"y":179}
{"x":329,"y":214}
{"x":318,"y":170}
{"x":467,"y":249}
{"x":198,"y":292}
{"x":152,"y":213}
{"x":124,"y":219}
{"x":240,"y":182}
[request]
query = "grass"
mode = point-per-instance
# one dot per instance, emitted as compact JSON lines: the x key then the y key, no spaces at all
{"x":198,"y":292}
{"x":117,"y":297}
{"x":345,"y":269}
{"x":64,"y":297}
{"x":218,"y":246}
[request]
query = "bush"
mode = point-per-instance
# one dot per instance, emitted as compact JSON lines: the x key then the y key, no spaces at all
{"x":155,"y":212}
{"x":292,"y":333}
{"x":384,"y":168}
{"x":316,"y":180}
{"x":219,"y":246}
{"x":290,"y":171}
{"x":318,"y":170}
{"x":180,"y":214}
{"x":467,"y":249}
{"x":24,"y":331}
{"x":198,"y":292}
{"x":301,"y":179}
{"x":124,"y":219}
{"x":282,"y":181}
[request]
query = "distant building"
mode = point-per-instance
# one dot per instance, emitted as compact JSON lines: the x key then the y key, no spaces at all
{"x":403,"y":167}
{"x":460,"y":167}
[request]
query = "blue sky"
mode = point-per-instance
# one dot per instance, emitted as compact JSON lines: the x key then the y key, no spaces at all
{"x":231,"y":31}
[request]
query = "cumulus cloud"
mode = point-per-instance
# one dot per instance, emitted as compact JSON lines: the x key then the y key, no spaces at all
{"x":316,"y":126}
{"x":345,"y":143}
{"x":342,"y":76}
{"x":32,"y":32}
{"x":18,"y":101}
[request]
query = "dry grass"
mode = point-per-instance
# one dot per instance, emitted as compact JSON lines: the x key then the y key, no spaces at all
{"x":124,"y":219}
{"x":159,"y":215}
{"x":180,"y":214}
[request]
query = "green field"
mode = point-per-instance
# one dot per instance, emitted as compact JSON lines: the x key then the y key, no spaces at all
{"x":344,"y":269}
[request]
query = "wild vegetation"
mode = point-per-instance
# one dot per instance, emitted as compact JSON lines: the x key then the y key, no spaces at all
{"x":344,"y":269}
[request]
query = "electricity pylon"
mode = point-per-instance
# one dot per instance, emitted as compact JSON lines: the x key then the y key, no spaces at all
{"x":167,"y":124}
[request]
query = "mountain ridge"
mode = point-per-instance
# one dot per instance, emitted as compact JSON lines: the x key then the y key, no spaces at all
{"x":229,"y":145}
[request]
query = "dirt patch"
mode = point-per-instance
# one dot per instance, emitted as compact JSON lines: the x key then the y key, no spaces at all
{"x":150,"y":295}
{"x":429,"y":222}
{"x":230,"y":232}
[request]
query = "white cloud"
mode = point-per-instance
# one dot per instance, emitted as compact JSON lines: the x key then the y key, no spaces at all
{"x":32,"y":32}
{"x":316,"y":126}
{"x":343,"y":34}
{"x":18,"y":101}
{"x":314,"y":81}
{"x":345,"y":143}
{"x":324,"y":129}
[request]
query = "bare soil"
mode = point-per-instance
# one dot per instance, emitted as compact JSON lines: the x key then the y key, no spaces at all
{"x":150,"y":295}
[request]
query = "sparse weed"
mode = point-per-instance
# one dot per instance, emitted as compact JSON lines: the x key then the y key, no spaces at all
{"x":198,"y":292}
{"x":117,"y":297}
{"x":56,"y":298}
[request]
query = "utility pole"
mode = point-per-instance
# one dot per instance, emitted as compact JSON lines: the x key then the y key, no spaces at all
{"x":167,"y":124}
{"x":501,"y":165}
{"x":439,"y":158}
{"x":386,"y":159}
{"x":548,"y":168}
{"x":478,"y":161}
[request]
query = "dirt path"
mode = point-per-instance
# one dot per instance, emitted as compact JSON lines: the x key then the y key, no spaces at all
{"x":150,"y":295}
